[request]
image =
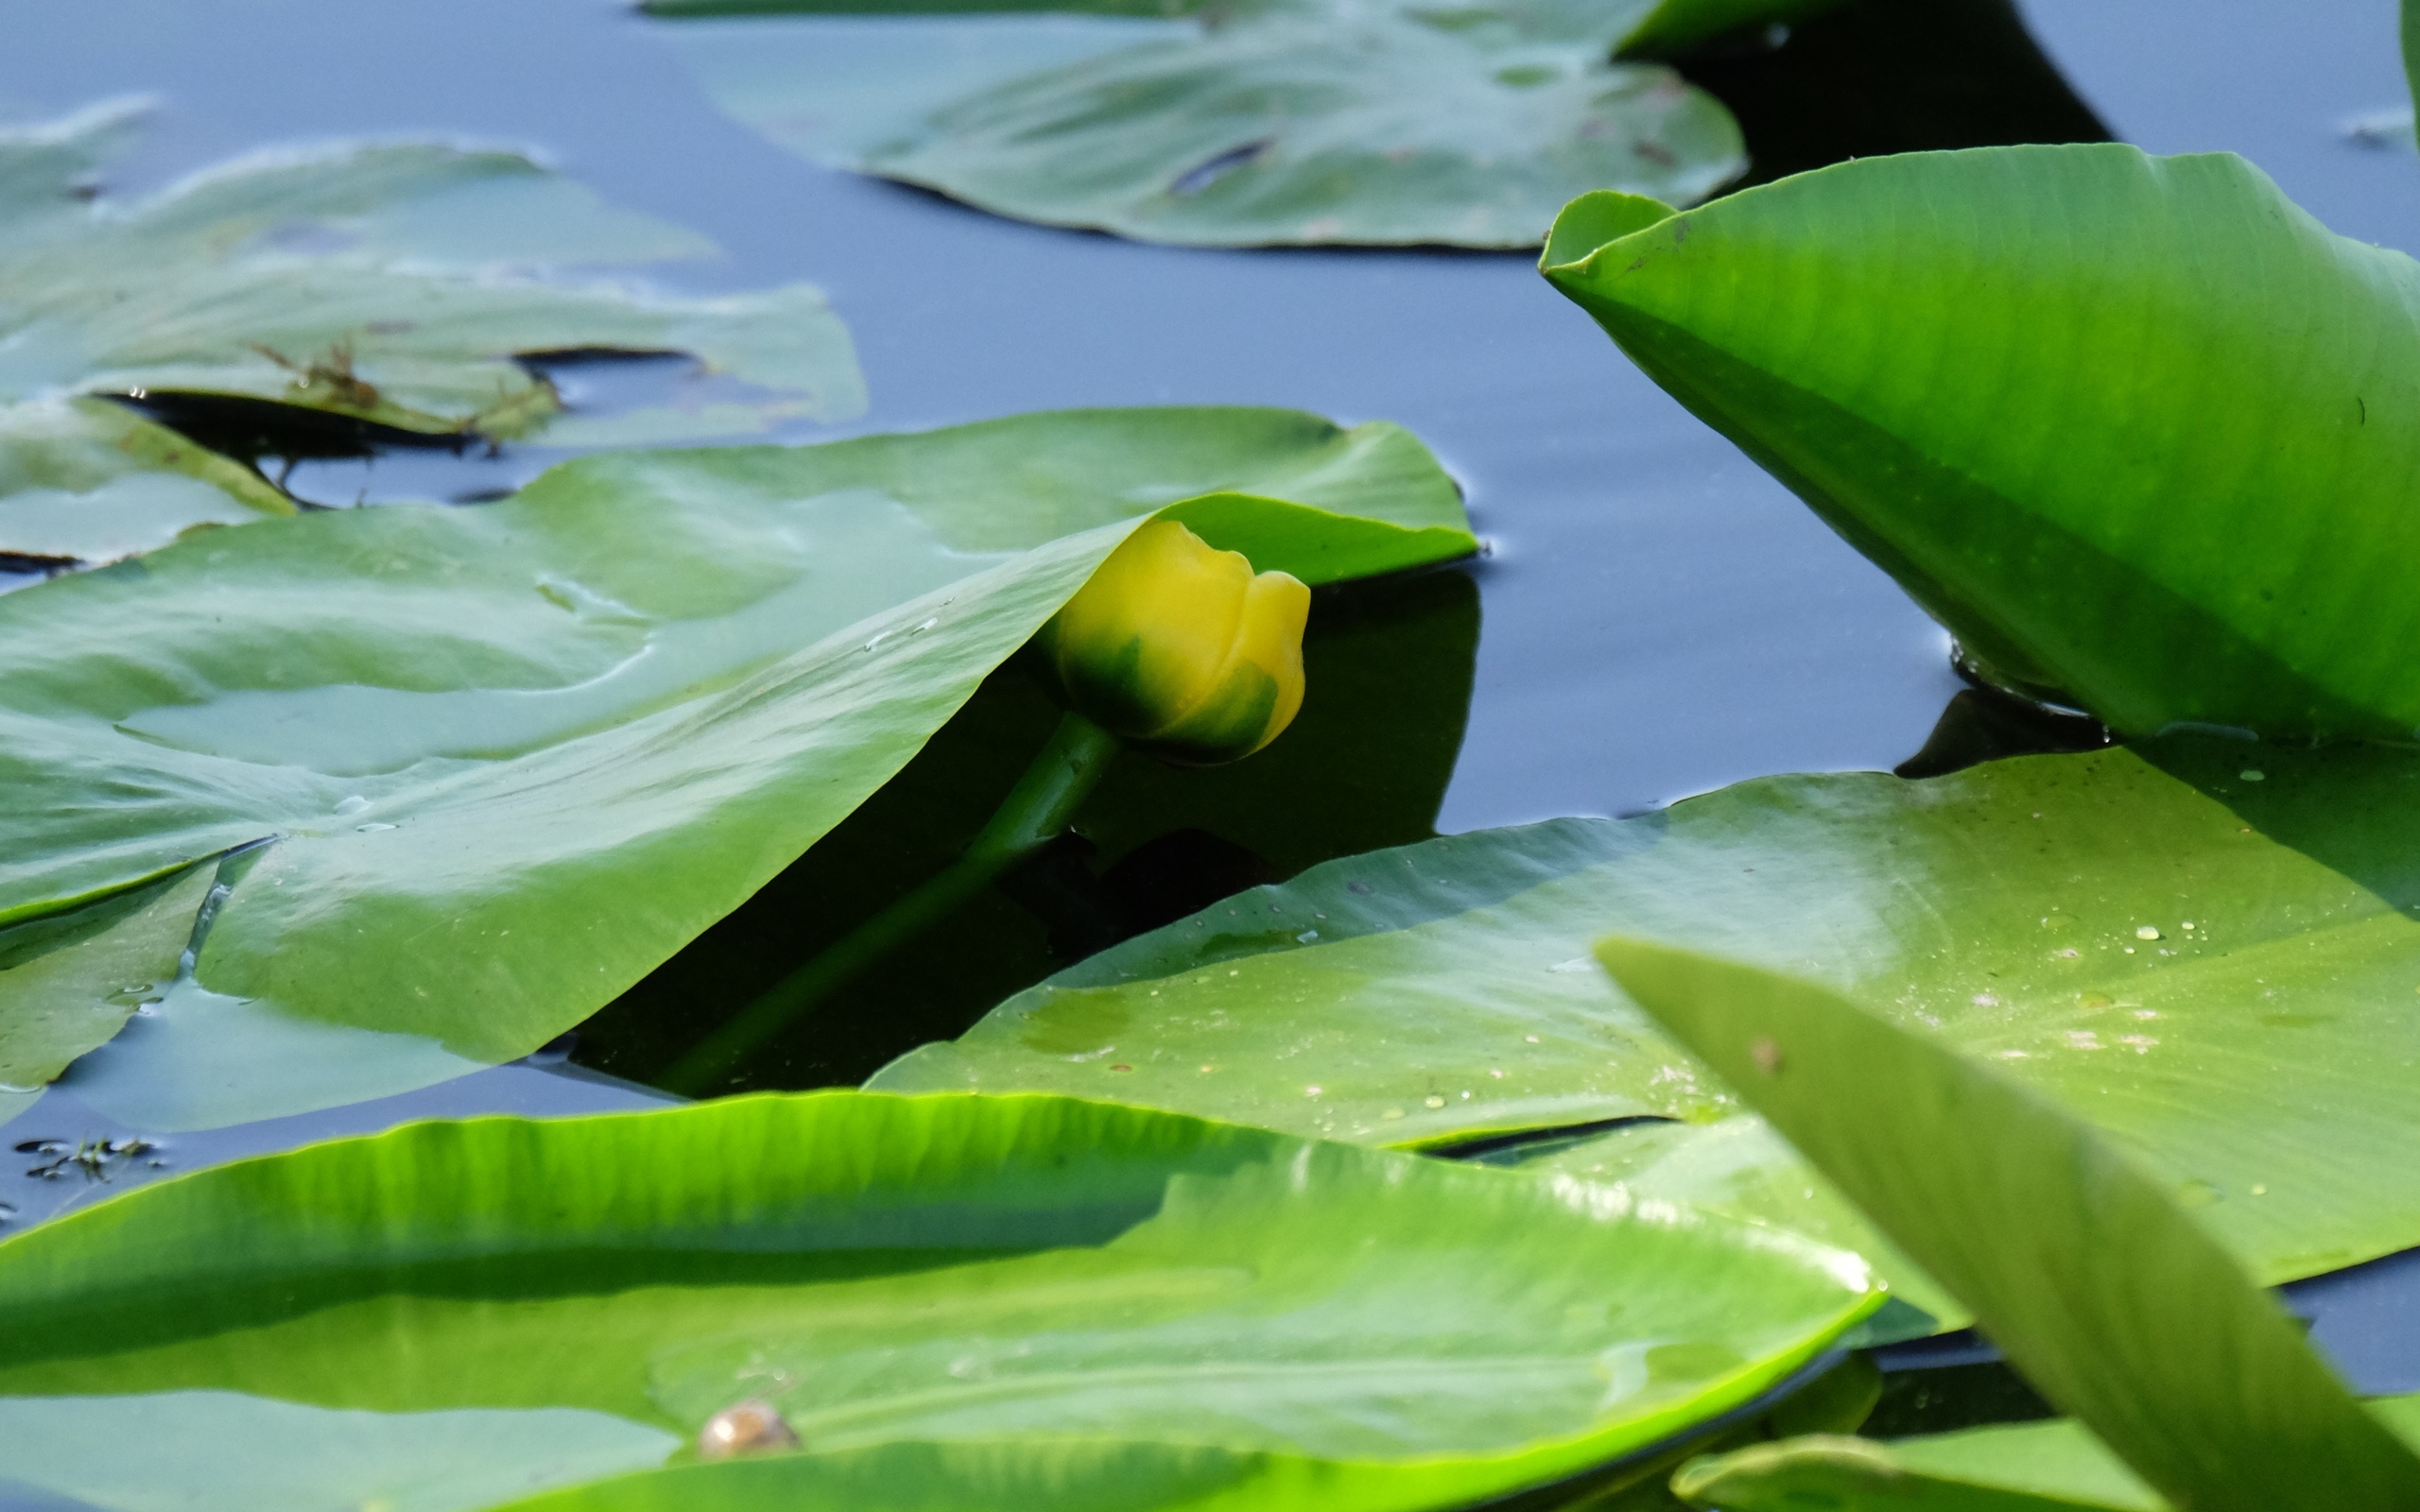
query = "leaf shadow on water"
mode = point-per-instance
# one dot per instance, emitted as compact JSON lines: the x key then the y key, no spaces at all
{"x":1878,"y":76}
{"x":1390,"y":666}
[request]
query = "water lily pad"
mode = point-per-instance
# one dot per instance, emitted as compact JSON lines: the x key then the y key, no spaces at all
{"x":510,"y":759}
{"x":1276,"y":122}
{"x":2105,"y":1293}
{"x":1366,"y":764}
{"x":2035,"y":911}
{"x":2137,"y":429}
{"x":2049,"y":1466}
{"x":1041,"y":1283}
{"x":388,"y":286}
{"x":86,"y":480}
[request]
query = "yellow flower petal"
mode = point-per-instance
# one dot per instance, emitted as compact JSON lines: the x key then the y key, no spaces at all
{"x":1181,"y":650}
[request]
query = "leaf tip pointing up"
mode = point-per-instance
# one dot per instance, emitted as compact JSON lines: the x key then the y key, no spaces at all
{"x":1594,"y":220}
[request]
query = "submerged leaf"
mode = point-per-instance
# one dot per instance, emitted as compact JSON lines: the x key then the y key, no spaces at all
{"x":1266,"y":123}
{"x":2139,"y":431}
{"x":937,"y":1294}
{"x":391,"y":288}
{"x":2260,"y":1059}
{"x":512,"y":758}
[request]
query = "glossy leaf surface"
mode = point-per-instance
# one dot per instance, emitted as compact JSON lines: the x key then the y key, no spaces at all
{"x":2260,"y":1061}
{"x":2026,"y":1467}
{"x":2137,"y":429}
{"x":2021,"y":1468}
{"x":85,"y":480}
{"x":1272,"y":123}
{"x":1390,"y":662}
{"x":1024,"y":1284}
{"x":388,"y":286}
{"x":2077,"y":1261}
{"x":511,"y":758}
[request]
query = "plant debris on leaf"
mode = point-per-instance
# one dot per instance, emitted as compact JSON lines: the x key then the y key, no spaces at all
{"x":392,"y":288}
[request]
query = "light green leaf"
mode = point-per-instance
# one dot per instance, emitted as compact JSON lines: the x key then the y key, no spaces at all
{"x":1027,"y":1283}
{"x":1278,"y":122}
{"x":2028,"y":1467}
{"x":2076,"y":1261}
{"x":512,"y":758}
{"x":2021,"y":1468}
{"x":2261,"y":1060}
{"x":87,"y":480}
{"x":1739,"y":1168}
{"x":70,"y":980}
{"x":390,"y":285}
{"x":2137,"y":429}
{"x":228,"y":1452}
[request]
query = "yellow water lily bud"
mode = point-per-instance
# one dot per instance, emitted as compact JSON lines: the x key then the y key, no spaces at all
{"x":1181,"y":650}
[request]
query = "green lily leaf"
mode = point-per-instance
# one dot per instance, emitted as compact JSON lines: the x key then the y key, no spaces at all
{"x":2260,"y":1061}
{"x":2029,"y":1467}
{"x":510,"y":759}
{"x":2411,"y":34}
{"x":2137,"y":429}
{"x":391,"y":286}
{"x":2077,"y":1261}
{"x":1273,"y":122}
{"x":1390,"y":663}
{"x":87,"y":480}
{"x":1053,"y":1288}
{"x":2023,"y":1468}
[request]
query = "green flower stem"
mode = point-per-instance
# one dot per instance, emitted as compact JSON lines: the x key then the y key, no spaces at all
{"x":1035,"y":810}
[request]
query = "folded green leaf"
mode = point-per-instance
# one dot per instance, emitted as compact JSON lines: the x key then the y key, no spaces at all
{"x":1267,"y":123}
{"x":2022,"y":1467}
{"x":2262,"y":1059}
{"x":953,"y":1292}
{"x":2137,"y":429}
{"x":390,"y":285}
{"x":2052,"y":1467}
{"x":512,"y":758}
{"x":2076,"y":1261}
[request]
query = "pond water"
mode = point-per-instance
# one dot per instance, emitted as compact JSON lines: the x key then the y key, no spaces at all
{"x":1656,"y":617}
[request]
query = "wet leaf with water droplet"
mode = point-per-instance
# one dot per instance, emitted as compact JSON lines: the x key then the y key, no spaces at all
{"x":1910,"y":892}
